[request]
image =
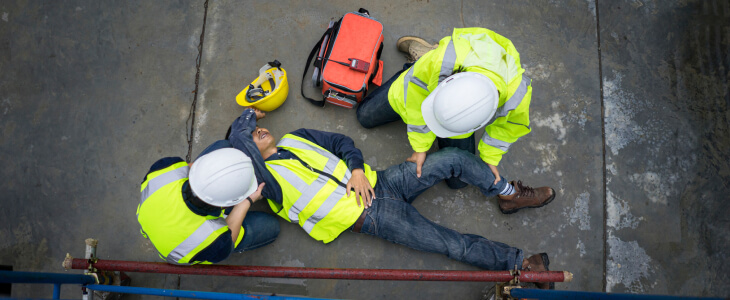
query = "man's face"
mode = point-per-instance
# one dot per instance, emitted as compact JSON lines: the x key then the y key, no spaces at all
{"x":263,"y":139}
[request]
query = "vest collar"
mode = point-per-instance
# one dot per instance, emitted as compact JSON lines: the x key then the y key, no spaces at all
{"x":196,"y":205}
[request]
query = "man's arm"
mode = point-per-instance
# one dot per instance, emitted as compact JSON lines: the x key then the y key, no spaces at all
{"x":504,"y":131}
{"x":242,"y":140}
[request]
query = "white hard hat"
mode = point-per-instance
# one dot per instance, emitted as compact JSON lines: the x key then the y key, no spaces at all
{"x":223,"y":178}
{"x":462,"y":103}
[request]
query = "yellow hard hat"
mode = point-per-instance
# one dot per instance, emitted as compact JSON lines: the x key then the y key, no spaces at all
{"x":268,"y":91}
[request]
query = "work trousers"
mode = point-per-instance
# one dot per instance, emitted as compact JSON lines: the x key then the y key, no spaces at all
{"x":375,"y":110}
{"x":392,"y":217}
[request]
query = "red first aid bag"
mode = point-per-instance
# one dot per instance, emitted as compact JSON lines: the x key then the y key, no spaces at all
{"x":347,"y":59}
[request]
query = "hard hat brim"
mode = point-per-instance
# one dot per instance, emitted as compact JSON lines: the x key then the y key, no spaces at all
{"x":251,"y":189}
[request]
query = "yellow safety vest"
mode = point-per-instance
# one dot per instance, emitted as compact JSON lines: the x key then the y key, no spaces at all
{"x":472,"y":50}
{"x":315,"y":201}
{"x":177,"y":233}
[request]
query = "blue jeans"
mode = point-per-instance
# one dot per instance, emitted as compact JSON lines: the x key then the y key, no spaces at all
{"x":375,"y":110}
{"x":392,"y":217}
{"x":260,"y":229}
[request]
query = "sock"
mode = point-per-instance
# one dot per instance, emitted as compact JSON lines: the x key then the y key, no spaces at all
{"x":508,"y":190}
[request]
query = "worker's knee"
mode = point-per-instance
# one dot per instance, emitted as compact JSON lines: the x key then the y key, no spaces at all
{"x":451,"y":153}
{"x":365,"y":120}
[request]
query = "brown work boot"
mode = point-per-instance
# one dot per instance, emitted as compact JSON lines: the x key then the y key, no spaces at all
{"x":414,"y":47}
{"x":525,"y":197}
{"x":538,"y":263}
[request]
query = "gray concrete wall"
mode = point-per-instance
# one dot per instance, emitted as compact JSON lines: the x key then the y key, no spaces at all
{"x":629,"y":125}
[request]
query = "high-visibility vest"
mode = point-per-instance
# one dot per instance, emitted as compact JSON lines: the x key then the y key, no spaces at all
{"x":314,"y":200}
{"x":177,"y":233}
{"x":495,"y":58}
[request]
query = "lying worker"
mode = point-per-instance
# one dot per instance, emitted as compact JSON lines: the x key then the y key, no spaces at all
{"x":310,"y":174}
{"x":470,"y":80}
{"x":205,"y":218}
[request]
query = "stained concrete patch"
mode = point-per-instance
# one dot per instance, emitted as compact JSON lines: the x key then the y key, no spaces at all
{"x":579,"y":213}
{"x":628,"y":265}
{"x":657,"y":187}
{"x":618,"y":213}
{"x":548,"y":154}
{"x":620,"y":111}
{"x":581,"y":248}
{"x":553,"y":122}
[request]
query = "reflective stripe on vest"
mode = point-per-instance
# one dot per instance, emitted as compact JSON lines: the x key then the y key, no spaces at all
{"x":193,"y":241}
{"x":449,"y":60}
{"x":406,"y":80}
{"x":309,"y":191}
{"x":332,"y":159}
{"x":515,"y":100}
{"x":499,"y":144}
{"x":417,"y":128}
{"x":417,"y":81}
{"x":164,"y":179}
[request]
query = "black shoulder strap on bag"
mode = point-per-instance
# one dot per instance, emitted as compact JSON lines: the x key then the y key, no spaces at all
{"x":306,"y":68}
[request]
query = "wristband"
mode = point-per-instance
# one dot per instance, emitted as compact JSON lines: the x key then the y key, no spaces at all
{"x":249,"y":200}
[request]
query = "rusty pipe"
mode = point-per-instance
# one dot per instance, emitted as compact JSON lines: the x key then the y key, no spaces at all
{"x":321,"y":273}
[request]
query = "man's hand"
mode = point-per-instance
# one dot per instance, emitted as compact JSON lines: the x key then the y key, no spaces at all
{"x":256,"y":196}
{"x":363,"y":189}
{"x":259,"y":114}
{"x":418,"y":158}
{"x":495,"y":172}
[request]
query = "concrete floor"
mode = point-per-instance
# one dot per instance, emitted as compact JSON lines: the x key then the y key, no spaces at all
{"x":630,"y":118}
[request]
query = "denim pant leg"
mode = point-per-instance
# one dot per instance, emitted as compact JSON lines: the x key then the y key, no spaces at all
{"x":375,"y":109}
{"x":399,"y":222}
{"x":449,"y":162}
{"x":260,"y":229}
{"x":467,"y":144}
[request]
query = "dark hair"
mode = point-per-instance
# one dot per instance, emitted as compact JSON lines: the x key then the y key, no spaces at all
{"x":459,"y":70}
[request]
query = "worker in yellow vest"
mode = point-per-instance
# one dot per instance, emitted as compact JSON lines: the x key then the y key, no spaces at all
{"x":469,"y":80}
{"x":319,"y":181}
{"x":199,"y":213}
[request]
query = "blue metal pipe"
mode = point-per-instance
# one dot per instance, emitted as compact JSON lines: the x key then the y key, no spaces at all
{"x":563,"y":295}
{"x":184,"y":294}
{"x":57,"y":291}
{"x":38,"y":277}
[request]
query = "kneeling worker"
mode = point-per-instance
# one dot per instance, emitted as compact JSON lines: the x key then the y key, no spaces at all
{"x":205,"y":218}
{"x":309,"y":176}
{"x":472,"y":79}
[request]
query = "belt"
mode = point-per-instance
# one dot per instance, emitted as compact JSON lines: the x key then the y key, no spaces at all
{"x":358,"y":224}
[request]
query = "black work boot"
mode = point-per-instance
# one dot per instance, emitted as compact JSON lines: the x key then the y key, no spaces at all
{"x":525,"y":197}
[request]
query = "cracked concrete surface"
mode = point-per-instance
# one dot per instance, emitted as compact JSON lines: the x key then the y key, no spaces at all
{"x":93,"y":93}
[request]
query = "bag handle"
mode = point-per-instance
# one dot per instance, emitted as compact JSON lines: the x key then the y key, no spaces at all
{"x":306,"y":68}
